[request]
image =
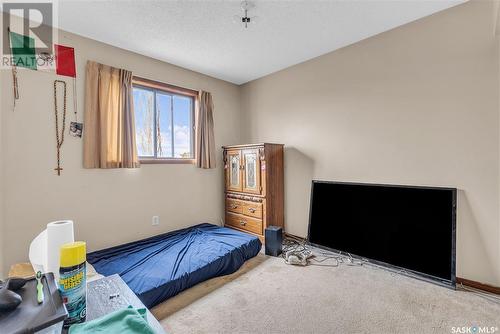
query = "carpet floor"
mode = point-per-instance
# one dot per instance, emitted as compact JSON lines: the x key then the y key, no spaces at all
{"x":268,"y":296}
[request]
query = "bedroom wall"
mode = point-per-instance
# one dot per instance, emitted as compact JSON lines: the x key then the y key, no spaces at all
{"x":3,"y":84}
{"x":108,"y":206}
{"x":497,"y":35}
{"x":415,"y":105}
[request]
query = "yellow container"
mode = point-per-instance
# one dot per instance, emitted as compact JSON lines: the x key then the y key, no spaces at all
{"x":73,"y":254}
{"x":73,"y":281}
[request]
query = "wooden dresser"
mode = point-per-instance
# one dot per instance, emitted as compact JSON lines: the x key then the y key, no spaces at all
{"x":254,"y":187}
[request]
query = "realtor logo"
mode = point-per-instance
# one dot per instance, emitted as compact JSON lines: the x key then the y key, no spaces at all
{"x":28,"y":34}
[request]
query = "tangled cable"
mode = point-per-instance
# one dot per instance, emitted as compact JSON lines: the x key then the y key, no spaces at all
{"x":318,"y":257}
{"x":314,"y":255}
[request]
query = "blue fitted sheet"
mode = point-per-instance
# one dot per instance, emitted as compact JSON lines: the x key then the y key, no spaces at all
{"x":160,"y":267}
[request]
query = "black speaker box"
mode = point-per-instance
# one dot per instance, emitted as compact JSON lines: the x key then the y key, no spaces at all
{"x":274,"y":238}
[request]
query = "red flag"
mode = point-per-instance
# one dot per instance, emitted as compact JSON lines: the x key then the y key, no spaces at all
{"x":65,"y":61}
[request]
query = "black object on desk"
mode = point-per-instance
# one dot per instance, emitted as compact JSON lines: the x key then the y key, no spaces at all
{"x":30,"y":316}
{"x":110,"y":294}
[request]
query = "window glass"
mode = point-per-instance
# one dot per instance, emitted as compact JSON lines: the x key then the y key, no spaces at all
{"x":182,"y":126}
{"x":163,"y":124}
{"x":144,"y":121}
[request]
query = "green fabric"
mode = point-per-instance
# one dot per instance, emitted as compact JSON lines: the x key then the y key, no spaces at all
{"x":126,"y":321}
{"x":23,"y":50}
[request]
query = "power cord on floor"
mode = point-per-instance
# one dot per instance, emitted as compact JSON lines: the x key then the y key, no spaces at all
{"x":300,"y":251}
{"x":491,"y":297}
{"x":301,"y":248}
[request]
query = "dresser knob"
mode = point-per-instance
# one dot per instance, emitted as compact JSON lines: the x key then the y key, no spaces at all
{"x":252,"y":210}
{"x":242,"y":223}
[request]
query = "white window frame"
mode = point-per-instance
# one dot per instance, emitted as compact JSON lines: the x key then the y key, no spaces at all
{"x":167,"y":89}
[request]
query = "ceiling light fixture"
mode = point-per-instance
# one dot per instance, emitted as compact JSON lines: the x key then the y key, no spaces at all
{"x":245,"y":19}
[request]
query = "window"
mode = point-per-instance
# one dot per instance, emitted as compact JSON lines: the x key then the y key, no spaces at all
{"x":164,"y":122}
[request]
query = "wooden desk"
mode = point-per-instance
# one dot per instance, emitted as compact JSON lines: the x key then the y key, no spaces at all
{"x":99,"y":302}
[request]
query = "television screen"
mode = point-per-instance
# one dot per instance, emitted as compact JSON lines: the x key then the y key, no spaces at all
{"x":403,"y":226}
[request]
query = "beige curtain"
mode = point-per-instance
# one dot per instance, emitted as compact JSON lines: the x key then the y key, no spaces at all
{"x":109,"y":134}
{"x":205,"y":142}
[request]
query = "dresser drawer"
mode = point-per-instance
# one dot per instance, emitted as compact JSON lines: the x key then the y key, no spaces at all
{"x":234,"y":205}
{"x":252,"y":209}
{"x":243,"y":222}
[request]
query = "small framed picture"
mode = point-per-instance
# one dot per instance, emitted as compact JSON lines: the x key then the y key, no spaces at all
{"x":76,"y":129}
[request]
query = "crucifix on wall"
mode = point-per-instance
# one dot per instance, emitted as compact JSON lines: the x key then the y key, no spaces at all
{"x":59,"y":134}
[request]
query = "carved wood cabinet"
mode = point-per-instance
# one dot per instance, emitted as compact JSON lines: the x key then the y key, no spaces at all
{"x":254,"y":187}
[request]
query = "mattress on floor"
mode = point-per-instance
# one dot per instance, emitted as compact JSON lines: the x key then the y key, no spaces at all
{"x":160,"y":267}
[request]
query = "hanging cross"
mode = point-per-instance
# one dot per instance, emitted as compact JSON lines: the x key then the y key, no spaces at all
{"x":58,"y":169}
{"x":59,"y":137}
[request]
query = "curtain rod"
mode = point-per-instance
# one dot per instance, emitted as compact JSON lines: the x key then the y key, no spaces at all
{"x":165,"y":86}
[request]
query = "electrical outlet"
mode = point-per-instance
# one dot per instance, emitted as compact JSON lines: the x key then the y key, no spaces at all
{"x":155,"y":221}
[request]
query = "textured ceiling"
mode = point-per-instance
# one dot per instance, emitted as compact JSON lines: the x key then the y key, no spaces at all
{"x":201,"y":35}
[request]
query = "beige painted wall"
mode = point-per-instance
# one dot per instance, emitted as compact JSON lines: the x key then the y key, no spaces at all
{"x":3,"y":84}
{"x":496,"y":20}
{"x":108,"y":206}
{"x":415,"y":105}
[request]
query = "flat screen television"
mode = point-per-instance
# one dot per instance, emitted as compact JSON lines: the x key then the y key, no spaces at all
{"x":400,"y":227}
